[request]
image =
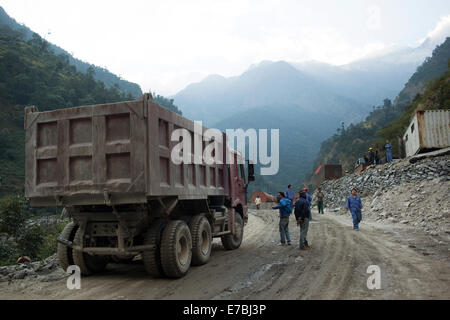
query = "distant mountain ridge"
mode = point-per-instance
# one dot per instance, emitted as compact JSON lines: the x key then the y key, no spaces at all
{"x":101,"y":74}
{"x":217,"y":98}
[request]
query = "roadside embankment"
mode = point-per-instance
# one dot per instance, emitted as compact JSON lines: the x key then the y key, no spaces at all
{"x":415,"y":194}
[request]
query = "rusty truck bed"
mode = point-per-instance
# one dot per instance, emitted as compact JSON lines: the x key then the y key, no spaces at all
{"x":119,"y":151}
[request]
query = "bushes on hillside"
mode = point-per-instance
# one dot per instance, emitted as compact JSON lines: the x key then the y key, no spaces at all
{"x":20,"y":238}
{"x":29,"y":242}
{"x":14,"y":212}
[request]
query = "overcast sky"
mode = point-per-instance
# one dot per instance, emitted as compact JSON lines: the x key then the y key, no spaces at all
{"x":164,"y":45}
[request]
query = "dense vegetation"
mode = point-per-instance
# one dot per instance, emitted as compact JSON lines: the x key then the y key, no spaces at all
{"x":19,"y":236}
{"x":428,"y":88}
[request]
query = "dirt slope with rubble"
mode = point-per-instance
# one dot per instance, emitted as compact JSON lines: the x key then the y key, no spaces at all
{"x":415,"y":194}
{"x":413,"y":265}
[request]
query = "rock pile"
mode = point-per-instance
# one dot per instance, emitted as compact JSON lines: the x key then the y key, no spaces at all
{"x":401,"y":192}
{"x":45,"y":270}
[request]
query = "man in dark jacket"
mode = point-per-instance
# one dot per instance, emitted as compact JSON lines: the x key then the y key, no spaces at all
{"x":285,"y":206}
{"x":302,"y":214}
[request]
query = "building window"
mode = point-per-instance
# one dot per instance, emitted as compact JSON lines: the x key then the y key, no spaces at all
{"x":406,"y":138}
{"x":412,"y":128}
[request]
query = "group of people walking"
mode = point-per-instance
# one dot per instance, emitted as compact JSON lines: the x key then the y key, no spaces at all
{"x":302,"y":211}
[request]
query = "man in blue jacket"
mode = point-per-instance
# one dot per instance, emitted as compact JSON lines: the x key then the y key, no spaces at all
{"x":289,"y":194}
{"x":388,"y":147}
{"x":354,"y":205}
{"x":302,"y":213}
{"x":285,"y":207}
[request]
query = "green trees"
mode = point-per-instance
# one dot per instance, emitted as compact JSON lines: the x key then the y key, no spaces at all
{"x":30,"y":241}
{"x":14,"y":212}
{"x":20,"y":236}
{"x":166,"y":103}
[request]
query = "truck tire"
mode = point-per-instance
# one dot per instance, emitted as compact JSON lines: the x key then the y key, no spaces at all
{"x":230,"y":241}
{"x":176,"y":249}
{"x":87,"y":263}
{"x":201,"y":240}
{"x":64,"y":252}
{"x":152,"y":257}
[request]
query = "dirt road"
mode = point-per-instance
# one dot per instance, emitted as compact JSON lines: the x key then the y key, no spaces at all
{"x":413,"y":266}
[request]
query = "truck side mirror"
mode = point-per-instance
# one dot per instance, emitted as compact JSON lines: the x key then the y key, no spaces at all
{"x":251,"y":171}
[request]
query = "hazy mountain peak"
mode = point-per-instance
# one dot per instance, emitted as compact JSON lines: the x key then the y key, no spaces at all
{"x":260,"y":64}
{"x":214,"y":77}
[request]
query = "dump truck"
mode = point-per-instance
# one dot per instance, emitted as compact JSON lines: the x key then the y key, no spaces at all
{"x":109,"y":168}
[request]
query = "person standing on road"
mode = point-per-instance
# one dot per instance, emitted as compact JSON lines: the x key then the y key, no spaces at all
{"x":309,"y":200}
{"x":257,"y":202}
{"x":354,"y":205}
{"x":302,"y":213}
{"x":290,"y":195}
{"x":285,"y":207}
{"x":388,"y":148}
{"x":320,"y":197}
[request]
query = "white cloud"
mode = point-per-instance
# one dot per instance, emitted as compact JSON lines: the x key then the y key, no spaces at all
{"x":439,"y":32}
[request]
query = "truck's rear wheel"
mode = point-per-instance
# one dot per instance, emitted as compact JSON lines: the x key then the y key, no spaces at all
{"x":176,"y":249}
{"x":152,"y":257}
{"x":64,"y":252}
{"x":87,"y":263}
{"x":201,"y":240}
{"x":233,"y":241}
